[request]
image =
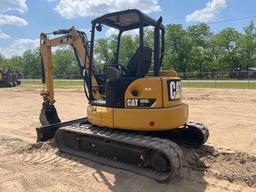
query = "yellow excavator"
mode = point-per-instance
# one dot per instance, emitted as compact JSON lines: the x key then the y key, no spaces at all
{"x":135,"y":113}
{"x":9,"y":78}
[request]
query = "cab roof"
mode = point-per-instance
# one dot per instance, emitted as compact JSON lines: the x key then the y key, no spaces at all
{"x":126,"y":20}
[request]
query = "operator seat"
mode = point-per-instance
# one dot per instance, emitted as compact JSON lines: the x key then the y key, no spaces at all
{"x":140,"y":62}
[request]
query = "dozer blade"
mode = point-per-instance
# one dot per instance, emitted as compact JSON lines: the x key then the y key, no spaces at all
{"x":48,"y":115}
{"x":47,"y":132}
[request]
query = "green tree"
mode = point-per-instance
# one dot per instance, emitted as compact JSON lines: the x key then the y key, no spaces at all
{"x":247,"y":47}
{"x":65,"y":64}
{"x":199,"y":36}
{"x":129,"y":45}
{"x":15,"y":63}
{"x":2,"y":60}
{"x":225,"y":46}
{"x":178,"y":48}
{"x":29,"y":62}
{"x":104,"y":50}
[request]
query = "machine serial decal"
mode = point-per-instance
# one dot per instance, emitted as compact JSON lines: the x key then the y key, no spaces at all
{"x":174,"y":89}
{"x":140,"y":102}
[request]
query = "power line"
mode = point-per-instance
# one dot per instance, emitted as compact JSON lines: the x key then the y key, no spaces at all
{"x":231,"y":20}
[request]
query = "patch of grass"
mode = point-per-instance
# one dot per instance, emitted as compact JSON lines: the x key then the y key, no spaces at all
{"x":220,"y":84}
{"x":65,"y":84}
{"x":198,"y":84}
{"x":57,"y":83}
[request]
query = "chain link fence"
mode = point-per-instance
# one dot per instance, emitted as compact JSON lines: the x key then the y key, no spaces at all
{"x":60,"y":81}
{"x":232,"y":79}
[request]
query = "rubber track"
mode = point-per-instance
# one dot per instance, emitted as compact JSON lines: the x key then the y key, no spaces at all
{"x":204,"y":130}
{"x":171,"y":150}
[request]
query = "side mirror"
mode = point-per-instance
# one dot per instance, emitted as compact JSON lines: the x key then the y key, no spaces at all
{"x":99,"y":27}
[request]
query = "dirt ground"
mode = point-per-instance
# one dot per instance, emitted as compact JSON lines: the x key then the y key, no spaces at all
{"x":226,"y":163}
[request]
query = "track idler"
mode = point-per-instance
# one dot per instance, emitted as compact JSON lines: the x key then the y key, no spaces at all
{"x":48,"y":115}
{"x":194,"y":134}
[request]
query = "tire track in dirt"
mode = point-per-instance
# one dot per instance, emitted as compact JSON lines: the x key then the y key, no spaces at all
{"x":28,"y":177}
{"x":38,"y":167}
{"x":239,"y":167}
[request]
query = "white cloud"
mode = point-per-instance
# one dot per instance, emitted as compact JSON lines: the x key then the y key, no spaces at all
{"x":209,"y":13}
{"x":27,"y":42}
{"x":82,"y":8}
{"x":13,"y":5}
{"x":18,"y":47}
{"x":86,"y":30}
{"x":113,"y":31}
{"x":4,"y":36}
{"x":12,"y":20}
{"x":132,"y":32}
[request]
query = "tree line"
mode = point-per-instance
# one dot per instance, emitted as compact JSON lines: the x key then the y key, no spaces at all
{"x":192,"y":49}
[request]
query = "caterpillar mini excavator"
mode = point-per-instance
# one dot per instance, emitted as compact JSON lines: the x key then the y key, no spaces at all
{"x":133,"y":115}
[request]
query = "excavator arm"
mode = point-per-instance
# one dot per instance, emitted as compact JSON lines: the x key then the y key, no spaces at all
{"x":78,"y":41}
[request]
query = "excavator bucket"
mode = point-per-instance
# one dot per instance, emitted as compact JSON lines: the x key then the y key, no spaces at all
{"x":51,"y":122}
{"x":48,"y":115}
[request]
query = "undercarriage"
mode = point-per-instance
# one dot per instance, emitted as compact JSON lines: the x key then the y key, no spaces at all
{"x":152,"y":154}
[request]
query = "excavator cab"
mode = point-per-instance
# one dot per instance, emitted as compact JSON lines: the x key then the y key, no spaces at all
{"x":141,"y":61}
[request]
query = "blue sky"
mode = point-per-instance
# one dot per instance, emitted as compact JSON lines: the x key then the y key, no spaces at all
{"x":22,"y":21}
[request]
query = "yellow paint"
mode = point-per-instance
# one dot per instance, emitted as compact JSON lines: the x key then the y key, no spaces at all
{"x":168,"y":73}
{"x":101,"y":116}
{"x":139,"y":119}
{"x":146,"y":88}
{"x":164,"y":118}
